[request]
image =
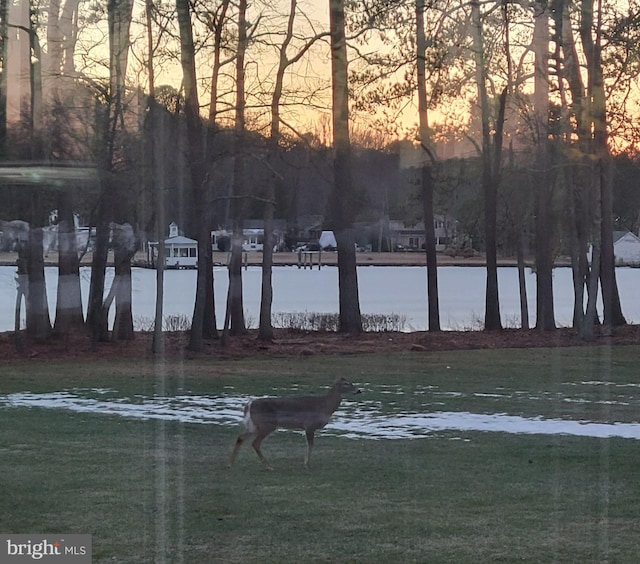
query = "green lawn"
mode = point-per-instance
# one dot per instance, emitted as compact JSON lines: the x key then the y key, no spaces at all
{"x":153,"y":490}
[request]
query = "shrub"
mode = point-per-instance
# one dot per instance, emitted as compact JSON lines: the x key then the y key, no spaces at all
{"x":315,"y":321}
{"x":170,"y":323}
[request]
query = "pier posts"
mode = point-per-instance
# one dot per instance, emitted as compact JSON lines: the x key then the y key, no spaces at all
{"x":306,"y":259}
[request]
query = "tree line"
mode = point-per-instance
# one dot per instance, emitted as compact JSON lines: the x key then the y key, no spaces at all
{"x":538,"y":94}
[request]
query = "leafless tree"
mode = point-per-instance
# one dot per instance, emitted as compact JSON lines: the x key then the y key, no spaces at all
{"x":590,"y":184}
{"x":119,"y":20}
{"x":4,"y":44}
{"x":234,"y":323}
{"x":492,"y":135}
{"x":155,"y":128}
{"x":69,"y":315}
{"x":343,"y":205}
{"x":545,"y":319}
{"x":426,"y":173}
{"x":285,"y":61}
{"x":197,"y":167}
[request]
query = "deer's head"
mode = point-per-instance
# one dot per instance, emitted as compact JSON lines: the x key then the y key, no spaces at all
{"x":345,"y":387}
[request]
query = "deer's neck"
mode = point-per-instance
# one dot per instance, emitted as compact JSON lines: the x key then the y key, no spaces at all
{"x":333,"y":400}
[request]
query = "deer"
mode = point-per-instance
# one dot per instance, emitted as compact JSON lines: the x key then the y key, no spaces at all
{"x":307,"y":413}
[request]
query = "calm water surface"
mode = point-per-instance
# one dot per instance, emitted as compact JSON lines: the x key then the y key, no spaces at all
{"x":383,"y":290}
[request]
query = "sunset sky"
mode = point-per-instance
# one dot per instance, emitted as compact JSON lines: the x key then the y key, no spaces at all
{"x":306,"y":105}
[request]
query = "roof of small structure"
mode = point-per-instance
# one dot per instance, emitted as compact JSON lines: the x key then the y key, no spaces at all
{"x":617,"y":235}
{"x":178,"y":240}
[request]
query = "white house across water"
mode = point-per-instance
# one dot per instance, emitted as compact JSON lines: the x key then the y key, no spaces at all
{"x":180,"y":251}
{"x":626,"y":248}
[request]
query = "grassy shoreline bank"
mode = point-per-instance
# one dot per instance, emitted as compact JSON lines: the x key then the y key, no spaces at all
{"x":415,"y":258}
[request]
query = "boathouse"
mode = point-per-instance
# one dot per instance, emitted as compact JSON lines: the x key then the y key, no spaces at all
{"x":180,"y":251}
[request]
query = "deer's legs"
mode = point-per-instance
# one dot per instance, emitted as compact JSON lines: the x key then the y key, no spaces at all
{"x":261,"y":436}
{"x":241,"y":438}
{"x":310,"y":436}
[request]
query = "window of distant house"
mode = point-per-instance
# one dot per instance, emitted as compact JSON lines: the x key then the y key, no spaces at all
{"x":192,"y":252}
{"x":184,"y":252}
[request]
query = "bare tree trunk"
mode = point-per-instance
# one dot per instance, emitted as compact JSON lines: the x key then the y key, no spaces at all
{"x":155,"y":131}
{"x":157,"y":123}
{"x":579,"y":267}
{"x":426,"y":176}
{"x":522,"y":284}
{"x":545,"y":316}
{"x":579,"y":180}
{"x":265,"y":331}
{"x":430,"y":249}
{"x":54,"y":40}
{"x":38,"y":322}
{"x":4,"y":43}
{"x":209,"y":327}
{"x":613,"y":316}
{"x":265,"y":328}
{"x":62,"y":34}
{"x":236,"y":307}
{"x":22,"y":291}
{"x":592,"y":280}
{"x":124,"y":244}
{"x":591,"y":22}
{"x":119,"y":22}
{"x":593,"y":50}
{"x":236,"y":310}
{"x":342,"y":199}
{"x":123,"y":322}
{"x":35,"y":75}
{"x":97,"y":321}
{"x":218,"y":31}
{"x":69,"y":30}
{"x":196,"y":155}
{"x":489,"y":173}
{"x":69,"y":303}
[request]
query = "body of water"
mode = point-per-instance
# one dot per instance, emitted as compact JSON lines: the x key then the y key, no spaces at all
{"x":383,"y":290}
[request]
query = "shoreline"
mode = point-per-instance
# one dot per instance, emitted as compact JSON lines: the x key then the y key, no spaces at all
{"x":415,"y":258}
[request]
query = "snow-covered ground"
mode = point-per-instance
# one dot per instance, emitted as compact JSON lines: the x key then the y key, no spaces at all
{"x":355,"y":419}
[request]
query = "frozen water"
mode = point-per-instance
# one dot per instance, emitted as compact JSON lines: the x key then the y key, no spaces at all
{"x":383,"y":290}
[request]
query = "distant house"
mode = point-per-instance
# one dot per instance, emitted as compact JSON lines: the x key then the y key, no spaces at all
{"x":626,"y":248}
{"x":253,"y":240}
{"x":253,"y":236}
{"x":413,"y":238}
{"x":307,"y":229}
{"x":180,"y":251}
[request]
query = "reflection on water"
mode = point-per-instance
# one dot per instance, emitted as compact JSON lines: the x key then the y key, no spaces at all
{"x":361,"y":420}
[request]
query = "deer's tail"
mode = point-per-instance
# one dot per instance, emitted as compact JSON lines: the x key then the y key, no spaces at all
{"x":248,"y":423}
